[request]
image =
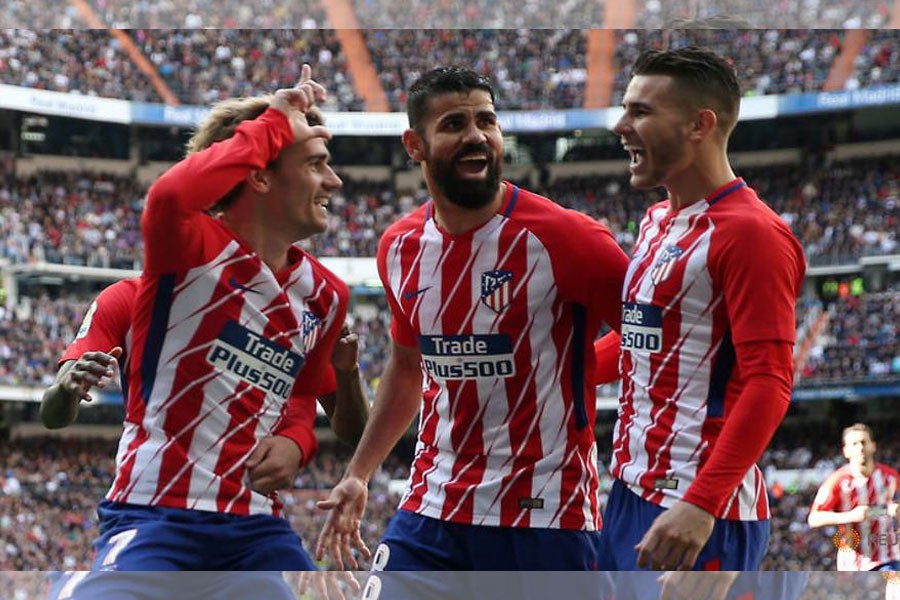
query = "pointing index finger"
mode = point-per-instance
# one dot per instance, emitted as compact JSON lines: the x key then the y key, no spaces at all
{"x":305,"y":74}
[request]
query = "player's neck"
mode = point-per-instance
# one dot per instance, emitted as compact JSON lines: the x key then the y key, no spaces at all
{"x":865,"y":469}
{"x":457,"y":220}
{"x":698,"y":181}
{"x":263,"y":240}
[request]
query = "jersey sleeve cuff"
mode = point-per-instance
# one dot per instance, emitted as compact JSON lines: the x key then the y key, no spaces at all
{"x":305,"y":440}
{"x":711,"y":505}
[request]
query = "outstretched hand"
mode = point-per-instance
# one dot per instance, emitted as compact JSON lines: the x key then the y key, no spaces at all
{"x":347,"y":503}
{"x":297,"y":101}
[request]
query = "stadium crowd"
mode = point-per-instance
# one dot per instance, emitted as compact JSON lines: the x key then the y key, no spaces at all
{"x":840,"y":210}
{"x":204,"y":66}
{"x":862,"y":340}
{"x":847,"y":14}
{"x":530,"y":68}
{"x":452,"y":14}
{"x":769,"y":61}
{"x":878,"y":63}
{"x":411,"y":14}
{"x":34,"y":334}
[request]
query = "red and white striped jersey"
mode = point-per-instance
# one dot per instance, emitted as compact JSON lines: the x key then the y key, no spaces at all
{"x":505,"y":317}
{"x":107,"y":324}
{"x":873,"y":542}
{"x":701,"y":280}
{"x":220,"y":342}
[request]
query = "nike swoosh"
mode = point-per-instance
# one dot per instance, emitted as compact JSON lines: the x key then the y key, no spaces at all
{"x":238,"y":286}
{"x":411,"y":295}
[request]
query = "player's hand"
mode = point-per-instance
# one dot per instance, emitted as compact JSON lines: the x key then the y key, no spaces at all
{"x":859,"y":514}
{"x":675,"y":538}
{"x":346,"y":351}
{"x":295,"y":102}
{"x":696,"y":585}
{"x":892,"y":509}
{"x":326,"y":585}
{"x":347,"y":503}
{"x":273,"y":465}
{"x":91,"y":369}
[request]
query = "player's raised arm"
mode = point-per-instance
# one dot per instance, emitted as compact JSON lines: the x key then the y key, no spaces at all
{"x":347,"y":408}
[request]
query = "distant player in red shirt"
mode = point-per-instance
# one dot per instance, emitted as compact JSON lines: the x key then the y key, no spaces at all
{"x":232,"y":320}
{"x":861,"y":498}
{"x":496,"y":296}
{"x":707,"y":331}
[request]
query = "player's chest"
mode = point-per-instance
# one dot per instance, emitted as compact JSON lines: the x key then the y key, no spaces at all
{"x":671,"y":265}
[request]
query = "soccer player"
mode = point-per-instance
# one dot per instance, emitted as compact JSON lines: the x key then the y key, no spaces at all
{"x":862,"y":499}
{"x":496,"y":296}
{"x":107,"y":324}
{"x":232,"y":319}
{"x":707,"y":331}
{"x":93,"y":356}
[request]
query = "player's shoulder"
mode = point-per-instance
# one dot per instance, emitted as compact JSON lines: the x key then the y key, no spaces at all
{"x":542,"y":216}
{"x":745,"y":209}
{"x":837,"y":476}
{"x":412,"y":221}
{"x":888,"y":470}
{"x":122,"y":291}
{"x":320,"y":270}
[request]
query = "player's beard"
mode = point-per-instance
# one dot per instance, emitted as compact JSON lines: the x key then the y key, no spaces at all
{"x":467,"y":193}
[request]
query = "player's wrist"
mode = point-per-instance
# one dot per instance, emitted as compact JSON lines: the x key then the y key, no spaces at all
{"x":358,"y":478}
{"x":347,"y":371}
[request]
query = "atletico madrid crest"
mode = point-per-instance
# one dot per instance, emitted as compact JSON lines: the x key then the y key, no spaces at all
{"x":309,"y":329}
{"x":496,"y":289}
{"x":663,"y":266}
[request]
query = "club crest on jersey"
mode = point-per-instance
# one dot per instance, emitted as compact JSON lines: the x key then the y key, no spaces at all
{"x":309,"y":329}
{"x":496,"y":289}
{"x":663,"y":266}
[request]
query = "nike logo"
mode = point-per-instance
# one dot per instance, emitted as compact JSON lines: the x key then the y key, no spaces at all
{"x":233,"y":282}
{"x":411,"y":295}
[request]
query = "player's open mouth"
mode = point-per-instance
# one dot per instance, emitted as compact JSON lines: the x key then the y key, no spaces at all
{"x":472,"y":164}
{"x":323,"y":202}
{"x":637,"y":156}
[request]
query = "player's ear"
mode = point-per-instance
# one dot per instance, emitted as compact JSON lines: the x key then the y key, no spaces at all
{"x":705,"y":122}
{"x":260,"y":180}
{"x":414,"y":145}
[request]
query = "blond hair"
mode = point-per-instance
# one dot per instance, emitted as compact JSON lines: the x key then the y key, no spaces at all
{"x":221,"y":123}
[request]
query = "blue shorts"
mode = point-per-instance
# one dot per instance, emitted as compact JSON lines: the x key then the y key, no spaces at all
{"x":416,"y":550}
{"x":151,"y":538}
{"x":416,"y":543}
{"x":150,"y":585}
{"x":733,"y":545}
{"x":889,"y":566}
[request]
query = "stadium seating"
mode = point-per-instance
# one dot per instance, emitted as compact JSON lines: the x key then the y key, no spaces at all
{"x":769,"y":61}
